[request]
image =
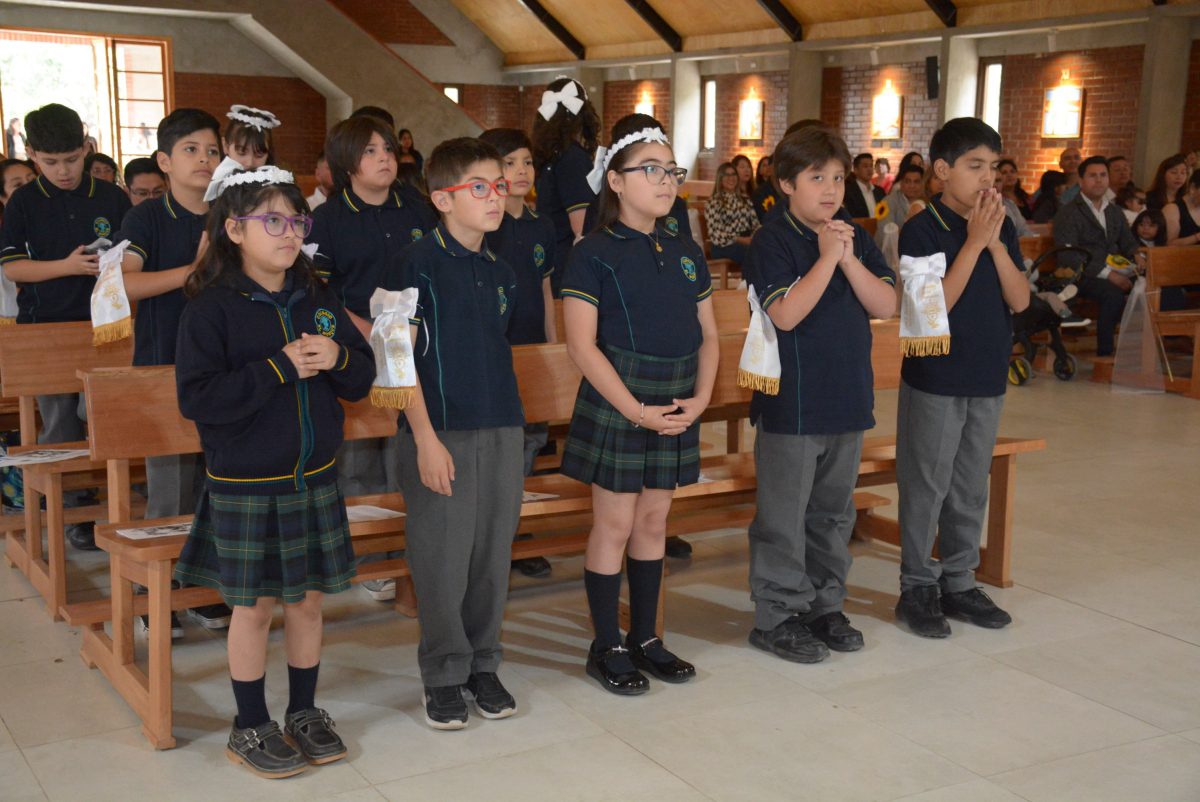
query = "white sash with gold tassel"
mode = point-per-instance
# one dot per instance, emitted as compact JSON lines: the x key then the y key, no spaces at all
{"x":759,"y":368}
{"x":8,"y":301}
{"x":111,"y":314}
{"x":924,"y":323}
{"x":395,"y":371}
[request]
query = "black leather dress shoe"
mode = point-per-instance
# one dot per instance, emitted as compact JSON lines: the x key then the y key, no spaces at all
{"x":264,"y":751}
{"x":614,"y":670}
{"x":313,"y":734}
{"x":653,"y":656}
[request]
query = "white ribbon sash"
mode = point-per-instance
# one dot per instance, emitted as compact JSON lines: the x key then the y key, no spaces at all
{"x":111,"y":314}
{"x":759,"y":368}
{"x":924,"y":321}
{"x":395,"y":371}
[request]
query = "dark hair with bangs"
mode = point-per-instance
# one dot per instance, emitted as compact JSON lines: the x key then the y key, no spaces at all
{"x":224,"y":256}
{"x":813,"y":146}
{"x":53,"y":128}
{"x":960,"y":135}
{"x":182,"y":122}
{"x":506,"y":140}
{"x":449,"y":162}
{"x":552,"y":137}
{"x":609,"y":210}
{"x":244,"y":135}
{"x":347,"y":142}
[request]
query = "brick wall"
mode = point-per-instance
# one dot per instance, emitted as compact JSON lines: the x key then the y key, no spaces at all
{"x":394,"y":21}
{"x":847,"y":94}
{"x":493,"y":106}
{"x":300,"y":108}
{"x":1191,"y":110}
{"x":731,"y":90}
{"x":1111,"y":80}
{"x":620,"y":97}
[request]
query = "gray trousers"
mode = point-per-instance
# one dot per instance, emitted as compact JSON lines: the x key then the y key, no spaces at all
{"x":460,"y":549}
{"x":173,"y":484}
{"x":64,"y":420}
{"x":943,"y":457}
{"x":367,"y":467}
{"x":800,"y":535}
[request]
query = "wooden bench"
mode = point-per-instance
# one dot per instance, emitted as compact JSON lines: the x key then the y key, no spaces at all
{"x":1171,"y":266}
{"x":42,"y":359}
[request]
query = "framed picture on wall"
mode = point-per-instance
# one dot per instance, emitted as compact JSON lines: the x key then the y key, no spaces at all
{"x":1062,"y":113}
{"x":750,"y":119}
{"x":887,"y":114}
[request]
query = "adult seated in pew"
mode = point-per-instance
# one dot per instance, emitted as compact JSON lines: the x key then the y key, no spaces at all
{"x":1092,"y":223}
{"x":48,"y":226}
{"x":730,"y":217}
{"x":644,"y":336}
{"x":272,"y":523}
{"x":954,"y":378}
{"x":821,"y":280}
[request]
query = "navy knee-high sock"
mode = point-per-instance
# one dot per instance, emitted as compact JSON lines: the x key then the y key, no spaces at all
{"x":603,"y":594}
{"x":251,"y":698}
{"x":645,"y":580}
{"x":302,"y":688}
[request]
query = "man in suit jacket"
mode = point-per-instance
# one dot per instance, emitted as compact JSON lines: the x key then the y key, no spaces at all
{"x":1093,"y":223}
{"x":861,"y":194}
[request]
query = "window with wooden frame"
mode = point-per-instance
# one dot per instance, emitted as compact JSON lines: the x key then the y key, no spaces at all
{"x":708,"y":113}
{"x":987,"y":101}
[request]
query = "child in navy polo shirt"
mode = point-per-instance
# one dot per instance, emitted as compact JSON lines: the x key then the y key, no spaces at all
{"x":48,"y":225}
{"x":247,"y":138}
{"x":365,"y":225}
{"x":950,"y":402}
{"x":265,"y":354}
{"x":461,"y":448}
{"x":820,"y":280}
{"x":640,"y":325}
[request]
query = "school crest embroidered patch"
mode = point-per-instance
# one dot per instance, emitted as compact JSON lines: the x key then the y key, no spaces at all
{"x":689,"y":268}
{"x":416,"y":234}
{"x":326,"y":322}
{"x":539,"y":255}
{"x":671,"y":225}
{"x":101,"y":226}
{"x":503,"y":301}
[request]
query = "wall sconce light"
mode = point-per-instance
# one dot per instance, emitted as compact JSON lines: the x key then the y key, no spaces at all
{"x":1062,"y":113}
{"x":645,"y":105}
{"x":887,"y":113}
{"x":750,"y":117}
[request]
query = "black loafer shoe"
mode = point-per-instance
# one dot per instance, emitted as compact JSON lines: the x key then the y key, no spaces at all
{"x":534,"y":567}
{"x":492,"y":699}
{"x":654,"y":657}
{"x":312,"y":732}
{"x":264,"y":751}
{"x":82,"y":536}
{"x":921,"y":609}
{"x":975,"y":607}
{"x":834,"y":630}
{"x":615,"y":671}
{"x":791,"y":640}
{"x":678,"y":548}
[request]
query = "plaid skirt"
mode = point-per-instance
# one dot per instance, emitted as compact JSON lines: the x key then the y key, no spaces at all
{"x":604,"y":448}
{"x":280,"y":546}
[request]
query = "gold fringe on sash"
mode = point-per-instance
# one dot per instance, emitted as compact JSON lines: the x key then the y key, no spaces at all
{"x":926,"y":346}
{"x":393,"y":397}
{"x":8,"y":321}
{"x":752,"y":381}
{"x":112,"y":332}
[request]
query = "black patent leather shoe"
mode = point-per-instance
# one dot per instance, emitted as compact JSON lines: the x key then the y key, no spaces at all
{"x":654,"y":657}
{"x":313,"y":734}
{"x":264,"y":751}
{"x":615,"y":671}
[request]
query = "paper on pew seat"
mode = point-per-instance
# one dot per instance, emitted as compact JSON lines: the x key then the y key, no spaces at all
{"x":366,"y":512}
{"x":149,"y":532}
{"x":529,"y":496}
{"x":42,"y":455}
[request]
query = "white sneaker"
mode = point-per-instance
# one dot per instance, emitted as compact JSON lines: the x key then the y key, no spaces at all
{"x":1068,"y":292}
{"x":380,"y":589}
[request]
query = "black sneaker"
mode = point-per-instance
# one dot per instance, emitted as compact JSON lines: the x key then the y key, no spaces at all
{"x":614,"y":670}
{"x":834,"y":630}
{"x":311,"y":731}
{"x":492,"y":699}
{"x":654,"y":657}
{"x":212,"y":616}
{"x":445,"y":708}
{"x":82,"y":536}
{"x":975,"y":607}
{"x":921,"y":609}
{"x":176,"y":626}
{"x":792,"y":640}
{"x":264,"y":751}
{"x":678,"y":548}
{"x":533,"y":567}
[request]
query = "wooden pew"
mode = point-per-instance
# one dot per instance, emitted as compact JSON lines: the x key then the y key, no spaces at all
{"x":42,"y":359}
{"x":869,"y":224}
{"x":1172,"y":266}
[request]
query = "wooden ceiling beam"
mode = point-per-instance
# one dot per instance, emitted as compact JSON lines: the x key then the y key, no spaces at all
{"x":660,"y":26}
{"x":946,"y":11}
{"x":783,"y":18}
{"x":555,"y":27}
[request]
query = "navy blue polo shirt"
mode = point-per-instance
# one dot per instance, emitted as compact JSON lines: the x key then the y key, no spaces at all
{"x":562,"y":188}
{"x":980,"y":323}
{"x":45,"y":223}
{"x":527,"y":244}
{"x":165,"y":235}
{"x":465,"y":301}
{"x":645,"y":287}
{"x":356,"y":241}
{"x":676,"y":221}
{"x":827,"y":385}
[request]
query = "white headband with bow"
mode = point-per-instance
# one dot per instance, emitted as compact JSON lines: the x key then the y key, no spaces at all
{"x":259,"y":119}
{"x":604,"y":155}
{"x":568,"y":97}
{"x":224,"y":177}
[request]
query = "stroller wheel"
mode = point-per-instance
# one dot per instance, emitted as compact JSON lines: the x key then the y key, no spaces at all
{"x":1019,"y":370}
{"x":1064,"y":369}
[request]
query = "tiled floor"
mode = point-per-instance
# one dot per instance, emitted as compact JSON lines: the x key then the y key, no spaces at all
{"x":1092,"y":694}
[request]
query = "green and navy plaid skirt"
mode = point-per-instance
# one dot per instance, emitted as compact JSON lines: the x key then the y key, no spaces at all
{"x":604,"y":448}
{"x":281,"y":546}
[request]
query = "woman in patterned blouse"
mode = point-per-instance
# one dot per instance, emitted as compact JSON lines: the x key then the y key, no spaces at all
{"x":730,"y":217}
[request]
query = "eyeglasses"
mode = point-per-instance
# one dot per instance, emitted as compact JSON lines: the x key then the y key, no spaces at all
{"x":481,"y":190}
{"x":146,"y":193}
{"x":277,"y":224}
{"x":657,"y":174}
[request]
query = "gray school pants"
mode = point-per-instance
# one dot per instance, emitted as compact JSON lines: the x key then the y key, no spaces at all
{"x":460,"y":550}
{"x":943,"y":456}
{"x":173,"y":484}
{"x":368,"y":467}
{"x":800,"y":535}
{"x":64,"y":420}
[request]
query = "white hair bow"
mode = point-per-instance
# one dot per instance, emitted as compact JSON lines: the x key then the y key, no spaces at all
{"x":224,"y":177}
{"x":568,"y":96}
{"x":604,"y":155}
{"x":260,"y":119}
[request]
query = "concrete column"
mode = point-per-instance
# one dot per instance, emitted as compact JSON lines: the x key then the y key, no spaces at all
{"x":592,"y":79}
{"x":685,"y":112}
{"x":804,"y":84}
{"x":959,"y":65}
{"x":1163,"y":94}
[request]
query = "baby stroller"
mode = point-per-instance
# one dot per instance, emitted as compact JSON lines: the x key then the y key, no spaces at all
{"x":1039,"y":316}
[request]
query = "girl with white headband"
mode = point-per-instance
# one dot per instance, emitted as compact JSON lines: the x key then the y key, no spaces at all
{"x":640,"y":326}
{"x":247,"y":138}
{"x":566,"y":131}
